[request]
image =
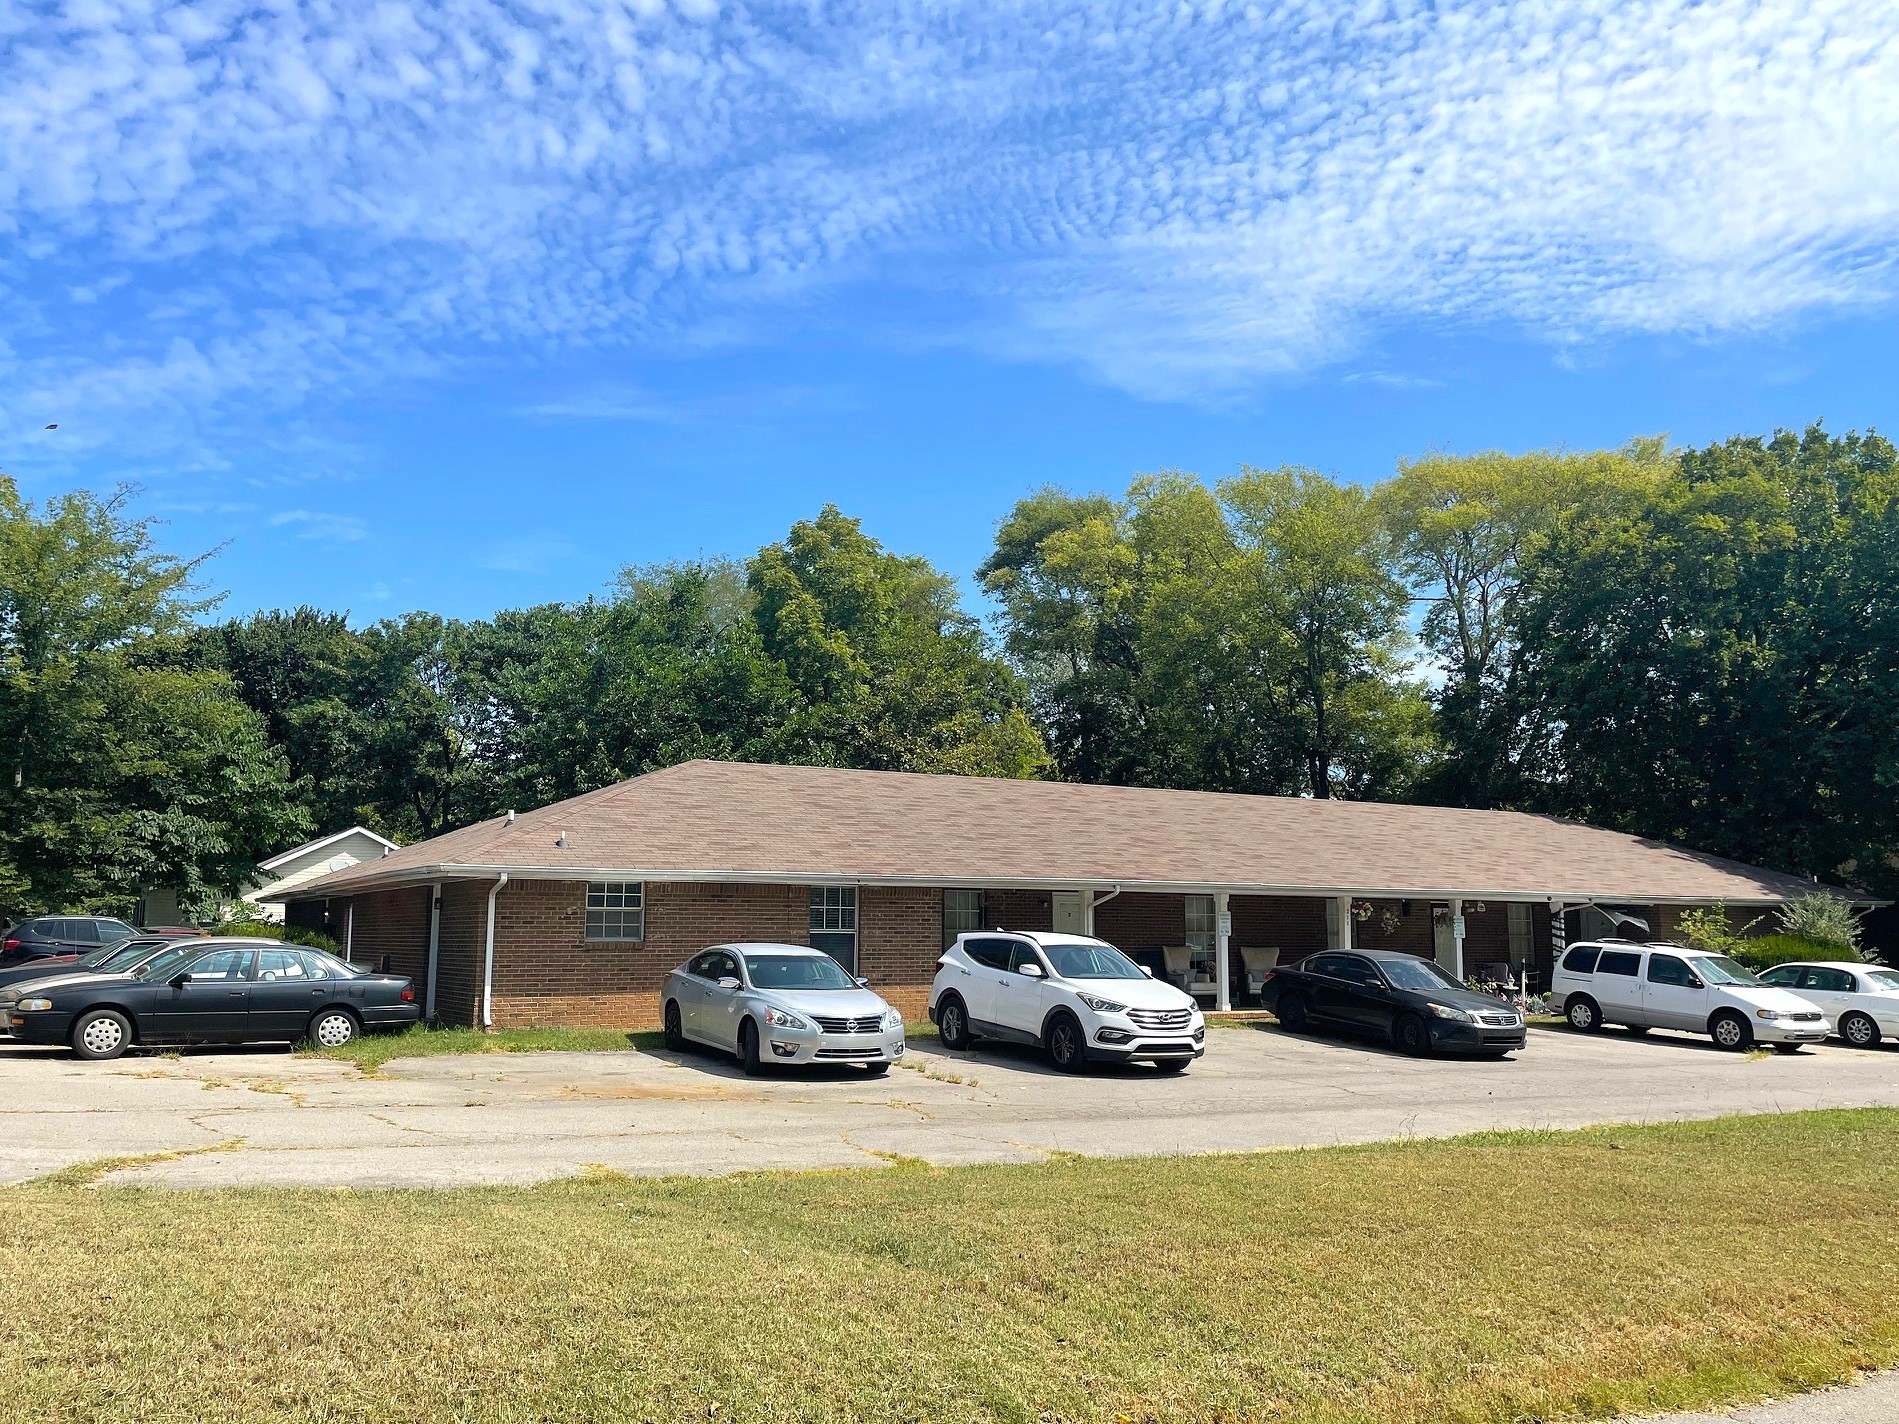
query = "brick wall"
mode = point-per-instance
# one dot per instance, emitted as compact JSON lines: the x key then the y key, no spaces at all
{"x":1136,"y":923}
{"x":393,"y":923}
{"x":899,"y":937}
{"x":1295,"y":925}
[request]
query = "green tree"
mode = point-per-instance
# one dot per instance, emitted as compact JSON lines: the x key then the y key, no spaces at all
{"x":1716,"y":666}
{"x":887,"y":670}
{"x":127,"y":767}
{"x":1463,"y":527}
{"x":1248,"y":638}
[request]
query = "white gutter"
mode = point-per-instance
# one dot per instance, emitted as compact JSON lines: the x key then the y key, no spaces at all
{"x":488,"y":964}
{"x":448,"y":870}
{"x":435,"y":946}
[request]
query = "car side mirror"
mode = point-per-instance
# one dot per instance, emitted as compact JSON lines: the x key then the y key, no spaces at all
{"x":1694,"y":983}
{"x":1033,"y":970}
{"x":1148,"y":970}
{"x":178,"y":981}
{"x":728,"y":983}
{"x":863,"y":982}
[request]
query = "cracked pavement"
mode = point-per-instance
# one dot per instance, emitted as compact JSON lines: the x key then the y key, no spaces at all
{"x":517,"y":1118}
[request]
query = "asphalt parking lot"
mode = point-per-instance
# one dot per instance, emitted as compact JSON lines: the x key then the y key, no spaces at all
{"x":241,"y":1117}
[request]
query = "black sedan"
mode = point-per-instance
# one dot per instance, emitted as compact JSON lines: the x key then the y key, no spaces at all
{"x":214,"y":991}
{"x":1408,"y":1001}
{"x":119,"y":957}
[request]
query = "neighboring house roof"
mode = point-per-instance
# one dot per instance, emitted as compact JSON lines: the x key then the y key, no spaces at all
{"x":310,"y":847}
{"x":729,"y":821}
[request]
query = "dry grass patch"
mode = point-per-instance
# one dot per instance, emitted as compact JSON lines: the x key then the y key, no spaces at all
{"x":1481,"y":1280}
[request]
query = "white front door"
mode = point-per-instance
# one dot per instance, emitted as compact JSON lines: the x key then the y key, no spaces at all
{"x":1068,"y":912}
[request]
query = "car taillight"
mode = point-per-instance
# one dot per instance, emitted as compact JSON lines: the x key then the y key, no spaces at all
{"x":10,"y":944}
{"x":408,"y":996}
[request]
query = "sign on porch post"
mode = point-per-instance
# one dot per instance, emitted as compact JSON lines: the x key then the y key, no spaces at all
{"x":1457,"y":939}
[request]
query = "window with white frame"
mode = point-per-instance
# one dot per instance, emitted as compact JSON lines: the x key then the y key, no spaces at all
{"x":1200,"y":935}
{"x":834,"y":923}
{"x":616,"y":910}
{"x":962,"y":914}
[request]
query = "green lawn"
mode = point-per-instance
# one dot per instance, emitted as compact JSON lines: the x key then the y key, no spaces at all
{"x":1503,"y":1278}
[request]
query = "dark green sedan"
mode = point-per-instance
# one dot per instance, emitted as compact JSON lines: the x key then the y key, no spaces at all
{"x":216,"y":991}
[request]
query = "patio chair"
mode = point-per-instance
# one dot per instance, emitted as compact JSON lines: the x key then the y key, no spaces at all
{"x":1497,"y":974}
{"x":1258,"y":963}
{"x":1185,"y":975}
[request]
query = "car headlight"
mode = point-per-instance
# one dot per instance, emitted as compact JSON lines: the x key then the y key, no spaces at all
{"x":784,"y":1018}
{"x":29,"y":1005}
{"x":1445,"y":1011}
{"x":1101,"y":1005}
{"x":892,"y":1020}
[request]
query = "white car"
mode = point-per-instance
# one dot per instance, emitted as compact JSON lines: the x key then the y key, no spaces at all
{"x":1861,"y":999}
{"x":1645,"y":986}
{"x":779,"y":1003}
{"x":1080,"y":999}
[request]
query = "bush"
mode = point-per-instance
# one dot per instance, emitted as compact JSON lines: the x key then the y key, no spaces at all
{"x":1765,"y":951}
{"x":1712,"y":930}
{"x":289,"y":934}
{"x":1824,"y":919}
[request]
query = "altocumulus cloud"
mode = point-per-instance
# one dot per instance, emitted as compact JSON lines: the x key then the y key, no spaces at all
{"x":210,"y":207}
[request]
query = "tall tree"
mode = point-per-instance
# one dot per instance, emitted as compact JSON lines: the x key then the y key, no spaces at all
{"x":1718,"y":666}
{"x":1247,"y":638}
{"x":126,"y":767}
{"x":1463,"y":526}
{"x":888,"y":671}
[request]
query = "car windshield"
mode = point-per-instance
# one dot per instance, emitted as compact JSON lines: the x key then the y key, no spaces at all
{"x":797,"y":971}
{"x":1418,"y":974}
{"x":1091,"y":961}
{"x":1882,"y":979}
{"x":1719,"y":969}
{"x":118,"y":956}
{"x":93,"y":958}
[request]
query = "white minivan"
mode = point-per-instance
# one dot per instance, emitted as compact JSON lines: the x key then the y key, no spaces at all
{"x":1645,"y":986}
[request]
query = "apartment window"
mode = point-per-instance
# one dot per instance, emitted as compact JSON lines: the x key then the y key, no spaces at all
{"x":1520,"y":922}
{"x":1200,"y":935}
{"x":616,"y":910}
{"x":834,"y":923}
{"x":962,"y":914}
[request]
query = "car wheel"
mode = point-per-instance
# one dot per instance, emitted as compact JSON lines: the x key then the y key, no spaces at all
{"x":1860,"y":1031}
{"x":1067,"y":1048}
{"x":952,"y":1023}
{"x":1730,"y":1031}
{"x":1411,"y":1036}
{"x":333,"y":1028}
{"x":1582,"y":1013}
{"x":876,"y":1070}
{"x":1291,"y":1013}
{"x":103,"y":1033}
{"x":748,"y":1049}
{"x":675,"y":1030}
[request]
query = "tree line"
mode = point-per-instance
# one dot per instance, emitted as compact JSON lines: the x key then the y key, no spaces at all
{"x":1700,"y":645}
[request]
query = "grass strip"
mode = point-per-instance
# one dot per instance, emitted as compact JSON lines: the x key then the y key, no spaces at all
{"x":1480,"y":1280}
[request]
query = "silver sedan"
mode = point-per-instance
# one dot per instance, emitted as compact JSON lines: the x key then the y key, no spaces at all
{"x":779,"y":1003}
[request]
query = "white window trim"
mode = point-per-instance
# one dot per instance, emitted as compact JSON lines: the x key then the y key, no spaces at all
{"x":607,"y":888}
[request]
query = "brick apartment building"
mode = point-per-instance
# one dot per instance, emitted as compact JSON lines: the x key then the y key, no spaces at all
{"x":573,"y":913}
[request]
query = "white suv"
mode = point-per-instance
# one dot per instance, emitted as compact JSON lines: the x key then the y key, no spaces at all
{"x":1645,"y":986}
{"x":1079,"y":998}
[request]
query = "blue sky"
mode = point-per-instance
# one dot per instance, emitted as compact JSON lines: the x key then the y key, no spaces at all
{"x":468,"y":305}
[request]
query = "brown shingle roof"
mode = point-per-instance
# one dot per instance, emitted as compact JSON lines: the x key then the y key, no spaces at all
{"x":718,"y":820}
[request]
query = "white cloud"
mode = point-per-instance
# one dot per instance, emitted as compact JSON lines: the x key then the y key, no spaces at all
{"x":212,"y":212}
{"x":321,"y":527}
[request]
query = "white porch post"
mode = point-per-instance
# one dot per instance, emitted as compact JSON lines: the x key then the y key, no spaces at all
{"x":1457,"y":939}
{"x":1222,"y":953}
{"x":1345,"y":921}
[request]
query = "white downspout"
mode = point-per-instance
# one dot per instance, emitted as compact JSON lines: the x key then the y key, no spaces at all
{"x":1088,"y":908}
{"x":349,"y":933}
{"x":488,"y":962}
{"x":435,"y":946}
